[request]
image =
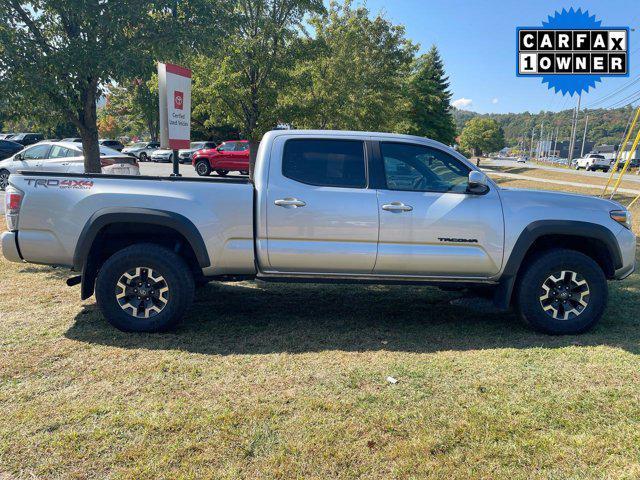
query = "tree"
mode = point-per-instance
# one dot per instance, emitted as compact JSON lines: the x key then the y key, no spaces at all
{"x":481,"y":135}
{"x":135,"y":103}
{"x":351,"y":73}
{"x":241,"y":87}
{"x":61,"y":55}
{"x":429,"y":99}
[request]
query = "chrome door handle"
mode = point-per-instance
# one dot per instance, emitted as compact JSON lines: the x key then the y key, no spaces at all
{"x":289,"y":202}
{"x":397,"y":207}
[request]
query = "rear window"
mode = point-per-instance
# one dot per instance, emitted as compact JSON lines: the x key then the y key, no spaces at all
{"x":330,"y":163}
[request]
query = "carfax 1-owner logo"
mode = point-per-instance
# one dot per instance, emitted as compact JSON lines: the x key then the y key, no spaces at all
{"x":572,"y":51}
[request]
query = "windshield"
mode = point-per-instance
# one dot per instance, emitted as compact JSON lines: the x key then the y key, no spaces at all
{"x":197,"y":145}
{"x":138,"y":145}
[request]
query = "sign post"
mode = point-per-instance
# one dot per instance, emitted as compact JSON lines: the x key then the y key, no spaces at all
{"x":174,"y":85}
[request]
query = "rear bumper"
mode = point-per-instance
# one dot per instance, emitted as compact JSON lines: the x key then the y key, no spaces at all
{"x":10,"y":250}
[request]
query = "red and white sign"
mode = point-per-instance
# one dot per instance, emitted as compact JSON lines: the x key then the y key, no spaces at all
{"x":174,"y":84}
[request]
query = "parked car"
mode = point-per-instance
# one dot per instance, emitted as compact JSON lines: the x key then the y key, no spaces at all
{"x":522,"y":159}
{"x":142,"y":150}
{"x":8,"y":148}
{"x":72,"y":140}
{"x":635,"y":163}
{"x":324,"y":206}
{"x":162,"y":156}
{"x":114,"y":144}
{"x":26,"y":139}
{"x":231,"y":156}
{"x":63,"y":157}
{"x":6,"y":136}
{"x":592,"y":162}
{"x":185,"y":155}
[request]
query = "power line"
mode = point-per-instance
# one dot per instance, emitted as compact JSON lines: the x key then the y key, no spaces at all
{"x":613,"y":94}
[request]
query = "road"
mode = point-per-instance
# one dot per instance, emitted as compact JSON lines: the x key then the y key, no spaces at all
{"x":512,"y":163}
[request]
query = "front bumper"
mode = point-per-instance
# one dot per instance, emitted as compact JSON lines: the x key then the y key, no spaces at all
{"x":10,"y":251}
{"x":627,"y":242}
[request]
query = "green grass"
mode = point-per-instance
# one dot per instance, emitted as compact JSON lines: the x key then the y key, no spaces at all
{"x":285,"y":381}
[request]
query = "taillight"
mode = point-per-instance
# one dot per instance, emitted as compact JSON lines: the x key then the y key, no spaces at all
{"x":13,"y":201}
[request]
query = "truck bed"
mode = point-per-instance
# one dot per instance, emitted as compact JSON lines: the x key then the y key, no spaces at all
{"x":58,"y":208}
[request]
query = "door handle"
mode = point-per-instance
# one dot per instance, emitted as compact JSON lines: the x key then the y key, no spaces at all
{"x":397,"y":207}
{"x":289,"y":203}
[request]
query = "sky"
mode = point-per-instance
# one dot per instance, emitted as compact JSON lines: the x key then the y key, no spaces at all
{"x":477,"y":41}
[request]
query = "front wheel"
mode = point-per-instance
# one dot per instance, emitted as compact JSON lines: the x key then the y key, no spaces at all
{"x":203,"y":168}
{"x":562,"y":292}
{"x":4,"y":179}
{"x":144,"y":157}
{"x":222,"y":173}
{"x":144,"y":288}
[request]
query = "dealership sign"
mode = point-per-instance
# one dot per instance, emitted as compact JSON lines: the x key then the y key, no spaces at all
{"x":174,"y":84}
{"x":572,"y":51}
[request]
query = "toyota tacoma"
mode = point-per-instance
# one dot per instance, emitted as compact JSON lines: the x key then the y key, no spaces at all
{"x":323,"y":206}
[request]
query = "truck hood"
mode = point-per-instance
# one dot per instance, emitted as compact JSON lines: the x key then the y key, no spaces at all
{"x":557,"y":200}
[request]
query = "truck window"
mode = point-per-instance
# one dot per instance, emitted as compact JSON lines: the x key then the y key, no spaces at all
{"x":420,"y":168}
{"x":327,"y":163}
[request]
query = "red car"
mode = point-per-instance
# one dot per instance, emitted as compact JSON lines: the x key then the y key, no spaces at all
{"x":230,"y":156}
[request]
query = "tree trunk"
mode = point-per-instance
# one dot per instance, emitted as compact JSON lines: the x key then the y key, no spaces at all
{"x":89,"y":128}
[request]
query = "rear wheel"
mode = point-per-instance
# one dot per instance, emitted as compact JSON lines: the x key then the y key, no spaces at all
{"x":244,"y":172}
{"x":562,"y":292}
{"x":203,"y":168}
{"x":144,"y":288}
{"x":222,"y":173}
{"x":4,"y":179}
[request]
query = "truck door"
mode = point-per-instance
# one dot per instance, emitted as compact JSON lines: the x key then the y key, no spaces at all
{"x":320,"y":216}
{"x":429,"y":224}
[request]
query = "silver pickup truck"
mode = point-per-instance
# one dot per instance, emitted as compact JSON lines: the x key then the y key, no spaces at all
{"x":324,"y":206}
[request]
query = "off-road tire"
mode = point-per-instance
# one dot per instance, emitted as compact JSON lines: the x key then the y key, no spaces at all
{"x":166,"y":263}
{"x":222,"y":173}
{"x":530,"y":290}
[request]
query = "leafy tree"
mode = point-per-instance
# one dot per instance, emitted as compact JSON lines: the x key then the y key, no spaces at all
{"x":241,"y":87}
{"x":481,"y":135}
{"x":61,"y":54}
{"x":351,"y":73}
{"x":135,"y":103}
{"x":430,"y":99}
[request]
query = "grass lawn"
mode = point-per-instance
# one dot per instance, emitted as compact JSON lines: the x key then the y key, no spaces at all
{"x":286,"y":381}
{"x":568,"y":176}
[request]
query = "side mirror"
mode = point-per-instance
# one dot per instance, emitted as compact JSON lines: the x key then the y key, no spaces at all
{"x":17,"y":157}
{"x":478,"y":184}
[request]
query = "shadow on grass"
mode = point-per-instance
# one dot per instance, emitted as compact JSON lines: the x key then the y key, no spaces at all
{"x":250,"y":318}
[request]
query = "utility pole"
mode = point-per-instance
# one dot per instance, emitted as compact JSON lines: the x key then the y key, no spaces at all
{"x":533,"y":132}
{"x":584,"y":135}
{"x":555,"y":143}
{"x":548,"y":144}
{"x":541,"y":140}
{"x":574,"y":127}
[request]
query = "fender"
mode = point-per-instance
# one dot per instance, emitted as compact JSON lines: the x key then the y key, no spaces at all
{"x":539,"y":229}
{"x":108,"y":216}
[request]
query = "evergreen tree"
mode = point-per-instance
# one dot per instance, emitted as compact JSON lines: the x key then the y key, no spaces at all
{"x":430,"y":99}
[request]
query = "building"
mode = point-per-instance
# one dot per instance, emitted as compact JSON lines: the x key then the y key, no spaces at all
{"x":607,"y":151}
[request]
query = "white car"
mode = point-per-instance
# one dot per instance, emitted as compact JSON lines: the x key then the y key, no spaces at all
{"x":592,"y":162}
{"x":142,"y":150}
{"x":162,"y":155}
{"x":64,"y":157}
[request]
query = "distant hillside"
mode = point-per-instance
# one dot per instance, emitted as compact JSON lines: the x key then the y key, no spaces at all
{"x":605,"y":126}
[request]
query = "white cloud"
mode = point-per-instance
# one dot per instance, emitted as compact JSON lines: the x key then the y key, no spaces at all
{"x":494,"y":100}
{"x":462,"y":102}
